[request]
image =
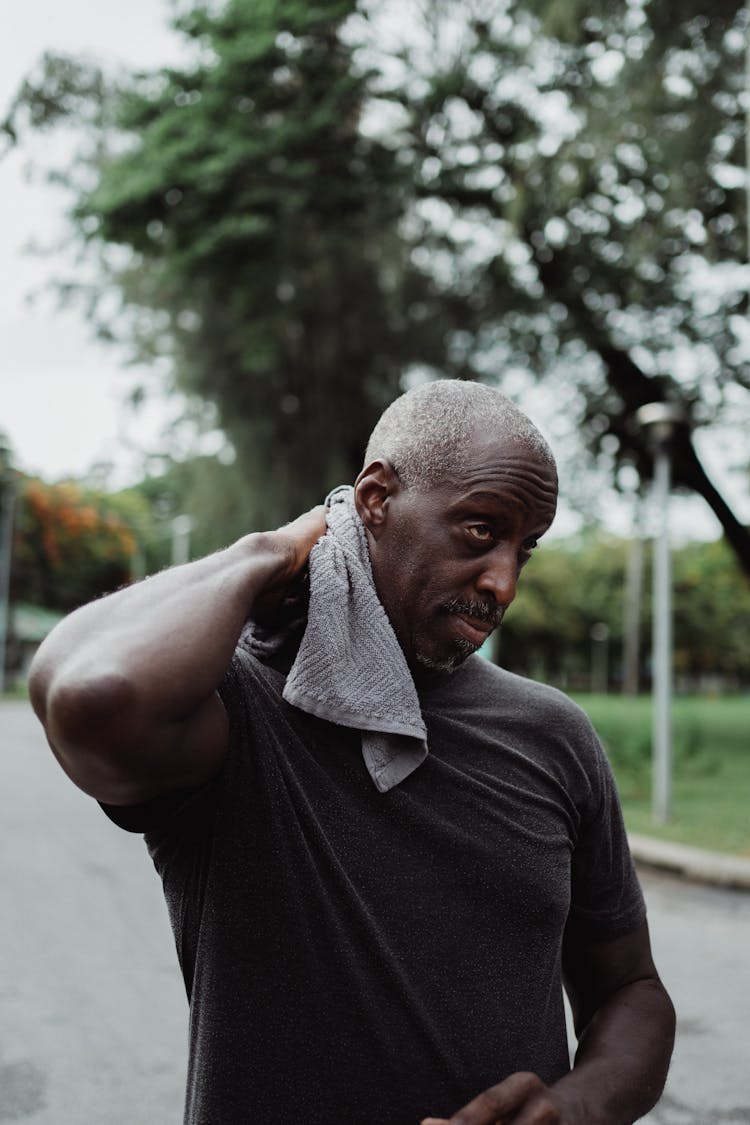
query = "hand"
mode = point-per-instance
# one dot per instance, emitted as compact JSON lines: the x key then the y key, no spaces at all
{"x":297,"y":539}
{"x":287,"y":550}
{"x":522,"y":1099}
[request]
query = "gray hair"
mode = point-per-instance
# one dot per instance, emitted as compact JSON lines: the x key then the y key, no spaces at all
{"x":424,"y":433}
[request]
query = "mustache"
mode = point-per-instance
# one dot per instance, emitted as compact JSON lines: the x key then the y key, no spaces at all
{"x":480,"y":610}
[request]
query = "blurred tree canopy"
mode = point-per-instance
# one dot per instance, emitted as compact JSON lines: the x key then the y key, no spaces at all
{"x":69,"y":545}
{"x":261,"y":228}
{"x":73,"y":543}
{"x":580,"y":167}
{"x":215,"y":497}
{"x":571,"y":586}
{"x":330,"y":198}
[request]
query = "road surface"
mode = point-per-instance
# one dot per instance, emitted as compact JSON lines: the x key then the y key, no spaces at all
{"x":93,"y":1018}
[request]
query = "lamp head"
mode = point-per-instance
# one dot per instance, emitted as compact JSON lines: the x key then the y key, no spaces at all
{"x":660,"y":419}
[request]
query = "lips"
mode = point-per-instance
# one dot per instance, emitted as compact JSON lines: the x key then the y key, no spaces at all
{"x":474,"y":629}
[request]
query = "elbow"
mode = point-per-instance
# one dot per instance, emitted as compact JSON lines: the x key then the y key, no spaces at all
{"x":83,"y":711}
{"x":89,"y":721}
{"x":39,"y":683}
{"x":94,"y":718}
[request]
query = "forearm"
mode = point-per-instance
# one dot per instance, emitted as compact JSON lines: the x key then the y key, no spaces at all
{"x":126,"y":686}
{"x":169,"y":637}
{"x":622,"y":1059}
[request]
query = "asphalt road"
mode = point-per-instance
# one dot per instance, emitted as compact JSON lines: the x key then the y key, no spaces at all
{"x":93,"y":1018}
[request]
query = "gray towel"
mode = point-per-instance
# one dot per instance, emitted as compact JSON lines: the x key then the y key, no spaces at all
{"x":350,"y":668}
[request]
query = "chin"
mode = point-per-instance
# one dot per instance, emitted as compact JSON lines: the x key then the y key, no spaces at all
{"x":445,"y":662}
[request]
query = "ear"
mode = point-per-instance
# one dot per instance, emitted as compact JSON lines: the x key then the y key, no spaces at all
{"x":373,"y":489}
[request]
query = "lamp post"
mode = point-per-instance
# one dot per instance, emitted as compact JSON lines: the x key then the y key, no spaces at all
{"x":7,"y":501}
{"x":181,"y":528}
{"x":660,"y":420}
{"x":599,"y":634}
{"x":747,"y":132}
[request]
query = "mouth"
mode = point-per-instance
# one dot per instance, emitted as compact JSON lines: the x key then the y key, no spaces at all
{"x":473,"y":629}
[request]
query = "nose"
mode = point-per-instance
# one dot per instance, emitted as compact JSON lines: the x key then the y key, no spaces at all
{"x":499,"y":575}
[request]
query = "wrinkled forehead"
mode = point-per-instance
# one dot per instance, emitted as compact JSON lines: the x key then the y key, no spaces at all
{"x":498,"y":483}
{"x":493,"y":458}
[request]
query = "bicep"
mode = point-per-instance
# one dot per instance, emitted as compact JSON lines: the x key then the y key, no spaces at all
{"x":113,"y":756}
{"x":594,"y":971}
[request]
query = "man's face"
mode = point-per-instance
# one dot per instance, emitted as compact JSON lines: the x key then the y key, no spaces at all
{"x":446,"y":560}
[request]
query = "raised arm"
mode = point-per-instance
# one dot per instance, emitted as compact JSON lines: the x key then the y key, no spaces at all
{"x":126,"y":687}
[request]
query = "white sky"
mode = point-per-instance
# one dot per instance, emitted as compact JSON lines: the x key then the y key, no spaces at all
{"x":61,"y":393}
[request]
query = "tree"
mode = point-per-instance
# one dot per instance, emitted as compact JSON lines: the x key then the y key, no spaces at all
{"x":260,"y":225}
{"x":579,"y":168}
{"x":70,"y":546}
{"x":545,"y":185}
{"x":213,"y":495}
{"x":712,"y":616}
{"x":568,"y":588}
{"x":575,"y":584}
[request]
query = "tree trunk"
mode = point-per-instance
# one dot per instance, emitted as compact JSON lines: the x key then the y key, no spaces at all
{"x":634,"y":388}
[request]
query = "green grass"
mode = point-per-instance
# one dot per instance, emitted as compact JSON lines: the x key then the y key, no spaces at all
{"x":711,"y":775}
{"x":16,"y":690}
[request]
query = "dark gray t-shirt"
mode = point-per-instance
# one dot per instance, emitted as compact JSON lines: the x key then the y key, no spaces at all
{"x":359,"y":958}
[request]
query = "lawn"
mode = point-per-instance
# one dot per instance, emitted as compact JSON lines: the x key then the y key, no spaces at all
{"x":711,"y":776}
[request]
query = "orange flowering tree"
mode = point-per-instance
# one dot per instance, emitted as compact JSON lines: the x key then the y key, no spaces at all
{"x":70,"y":545}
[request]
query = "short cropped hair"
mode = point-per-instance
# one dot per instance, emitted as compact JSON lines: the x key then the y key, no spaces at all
{"x":425,"y":432}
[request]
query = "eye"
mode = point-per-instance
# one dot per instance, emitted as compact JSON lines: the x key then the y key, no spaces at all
{"x":482,"y":532}
{"x":526,"y":551}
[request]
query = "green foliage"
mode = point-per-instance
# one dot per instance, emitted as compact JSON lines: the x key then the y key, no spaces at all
{"x":570,"y":586}
{"x":261,"y":230}
{"x":216,"y":497}
{"x":712,"y":613}
{"x":590,"y":160}
{"x":300,"y":218}
{"x":567,"y":588}
{"x":69,"y":545}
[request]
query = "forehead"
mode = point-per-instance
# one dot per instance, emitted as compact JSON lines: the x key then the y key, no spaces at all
{"x":501,"y":471}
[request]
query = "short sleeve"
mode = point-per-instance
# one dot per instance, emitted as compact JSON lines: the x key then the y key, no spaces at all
{"x":606,"y":897}
{"x":169,"y":811}
{"x":153,"y":814}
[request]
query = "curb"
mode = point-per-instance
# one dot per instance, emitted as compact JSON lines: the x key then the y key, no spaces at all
{"x":692,"y":863}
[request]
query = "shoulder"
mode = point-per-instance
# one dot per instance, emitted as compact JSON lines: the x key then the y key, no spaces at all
{"x":527,"y":718}
{"x":251,"y":687}
{"x":540,"y":703}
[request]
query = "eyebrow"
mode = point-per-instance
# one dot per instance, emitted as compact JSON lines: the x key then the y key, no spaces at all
{"x":482,"y":497}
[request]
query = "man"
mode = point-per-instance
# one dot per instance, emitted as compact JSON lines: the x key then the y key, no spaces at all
{"x":359,"y":953}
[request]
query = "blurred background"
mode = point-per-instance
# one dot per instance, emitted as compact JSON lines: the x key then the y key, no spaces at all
{"x":233,"y":232}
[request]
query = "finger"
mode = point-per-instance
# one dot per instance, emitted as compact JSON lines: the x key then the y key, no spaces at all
{"x":301,"y":535}
{"x":308,"y":524}
{"x":499,"y":1103}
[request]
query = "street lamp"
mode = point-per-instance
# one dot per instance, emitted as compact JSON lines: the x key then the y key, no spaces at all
{"x":660,"y":420}
{"x":181,"y":528}
{"x":7,"y":501}
{"x":599,"y":634}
